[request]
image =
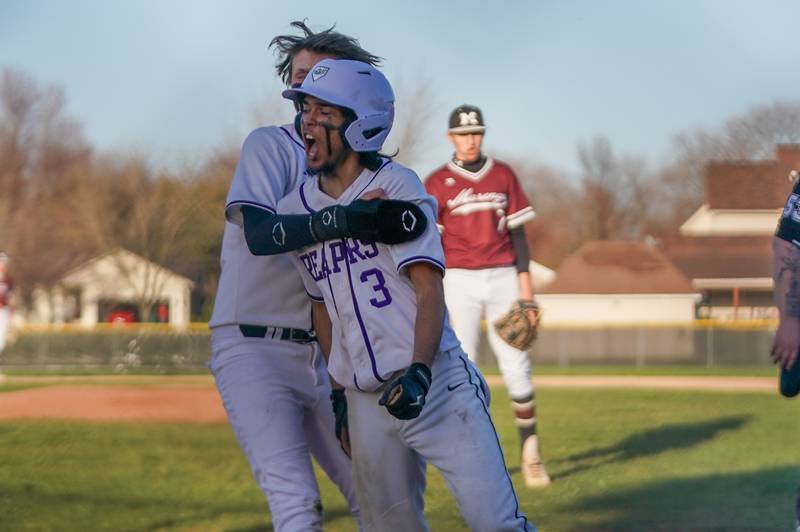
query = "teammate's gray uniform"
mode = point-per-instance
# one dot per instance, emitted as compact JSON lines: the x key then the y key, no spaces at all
{"x":372,"y":306}
{"x":274,"y":391}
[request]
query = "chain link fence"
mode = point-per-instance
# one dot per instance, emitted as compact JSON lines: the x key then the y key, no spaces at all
{"x":126,"y":348}
{"x":158,"y":348}
{"x":704,"y":342}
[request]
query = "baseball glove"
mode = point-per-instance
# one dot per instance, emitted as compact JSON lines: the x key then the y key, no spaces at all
{"x":516,"y":327}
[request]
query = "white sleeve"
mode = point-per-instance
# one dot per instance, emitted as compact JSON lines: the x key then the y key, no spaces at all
{"x":269,"y":166}
{"x":403,"y":184}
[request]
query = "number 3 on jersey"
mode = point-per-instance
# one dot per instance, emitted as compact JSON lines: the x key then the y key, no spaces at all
{"x":379,"y":286}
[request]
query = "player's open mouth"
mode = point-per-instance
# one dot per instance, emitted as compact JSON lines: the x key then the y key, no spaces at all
{"x":310,"y":145}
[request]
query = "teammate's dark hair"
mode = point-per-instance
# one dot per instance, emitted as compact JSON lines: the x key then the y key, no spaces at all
{"x":327,"y":42}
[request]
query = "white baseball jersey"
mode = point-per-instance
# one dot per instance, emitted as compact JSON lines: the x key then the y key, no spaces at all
{"x":370,"y":299}
{"x":261,"y":290}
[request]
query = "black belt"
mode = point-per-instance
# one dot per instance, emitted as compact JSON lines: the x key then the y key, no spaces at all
{"x":281,"y":333}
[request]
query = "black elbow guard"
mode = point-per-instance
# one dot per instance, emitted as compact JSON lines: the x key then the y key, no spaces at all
{"x":384,"y":221}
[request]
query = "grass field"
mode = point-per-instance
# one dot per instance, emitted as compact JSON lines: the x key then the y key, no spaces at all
{"x":762,"y":370}
{"x":621,"y":461}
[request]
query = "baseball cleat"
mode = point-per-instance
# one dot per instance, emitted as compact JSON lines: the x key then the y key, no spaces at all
{"x":533,"y":470}
{"x":790,"y":380}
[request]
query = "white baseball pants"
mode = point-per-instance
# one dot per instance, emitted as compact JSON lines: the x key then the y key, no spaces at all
{"x":454,"y":433}
{"x":276,"y":394}
{"x":473,"y":294}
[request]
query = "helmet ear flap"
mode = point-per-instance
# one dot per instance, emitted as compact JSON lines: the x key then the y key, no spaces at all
{"x":343,"y":131}
{"x":369,"y":133}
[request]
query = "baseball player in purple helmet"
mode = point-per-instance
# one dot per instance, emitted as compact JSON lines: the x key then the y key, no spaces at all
{"x":405,"y":393}
{"x":267,"y":366}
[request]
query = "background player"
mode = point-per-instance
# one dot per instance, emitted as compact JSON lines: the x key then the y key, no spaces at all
{"x":786,"y":277}
{"x":269,"y":373}
{"x":384,"y":323}
{"x":482,"y":211}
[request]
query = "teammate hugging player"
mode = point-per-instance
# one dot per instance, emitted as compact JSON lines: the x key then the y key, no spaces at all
{"x":482,"y":211}
{"x":411,"y":393}
{"x":269,"y":372}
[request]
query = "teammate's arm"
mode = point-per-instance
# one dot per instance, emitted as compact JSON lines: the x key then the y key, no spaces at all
{"x":375,"y":220}
{"x":323,"y":328}
{"x":786,"y":277}
{"x":268,"y":233}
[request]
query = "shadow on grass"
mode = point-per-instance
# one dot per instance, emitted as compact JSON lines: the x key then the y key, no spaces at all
{"x":143,"y":511}
{"x":753,"y":501}
{"x":650,"y":442}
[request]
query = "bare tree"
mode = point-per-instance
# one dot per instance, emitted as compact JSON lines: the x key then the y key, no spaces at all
{"x":211,"y":182}
{"x":40,"y":149}
{"x":552,"y":235}
{"x":601,"y":184}
{"x":411,"y":134}
{"x":125,"y":206}
{"x":750,"y":136}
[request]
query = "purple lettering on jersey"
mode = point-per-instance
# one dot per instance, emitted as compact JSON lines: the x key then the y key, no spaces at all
{"x":353,"y":252}
{"x":338,"y":254}
{"x":325,"y":271}
{"x":307,"y":263}
{"x":379,"y":287}
{"x":312,"y":258}
{"x":372,"y":250}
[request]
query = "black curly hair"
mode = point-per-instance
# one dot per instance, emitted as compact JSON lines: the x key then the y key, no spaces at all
{"x":326,"y":42}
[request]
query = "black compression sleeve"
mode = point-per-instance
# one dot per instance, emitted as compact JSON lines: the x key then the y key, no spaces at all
{"x":520,"y":244}
{"x":267,"y":233}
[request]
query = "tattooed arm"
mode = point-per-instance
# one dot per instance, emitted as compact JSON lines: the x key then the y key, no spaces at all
{"x":786,"y":275}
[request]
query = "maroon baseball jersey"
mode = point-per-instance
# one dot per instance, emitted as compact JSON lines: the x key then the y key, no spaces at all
{"x":476,"y":211}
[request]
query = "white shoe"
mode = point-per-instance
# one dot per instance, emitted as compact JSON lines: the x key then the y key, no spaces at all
{"x":533,"y":470}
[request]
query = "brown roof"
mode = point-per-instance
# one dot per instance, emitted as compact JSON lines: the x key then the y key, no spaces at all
{"x":618,"y":267}
{"x":721,"y":257}
{"x":752,"y":184}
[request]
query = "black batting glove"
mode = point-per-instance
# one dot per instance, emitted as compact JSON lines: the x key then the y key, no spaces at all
{"x":405,"y":397}
{"x":339,"y":404}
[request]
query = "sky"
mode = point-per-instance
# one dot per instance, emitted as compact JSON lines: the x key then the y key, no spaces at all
{"x":176,"y":78}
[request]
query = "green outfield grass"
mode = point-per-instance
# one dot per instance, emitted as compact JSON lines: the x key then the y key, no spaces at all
{"x":651,"y":370}
{"x":538,"y":369}
{"x":621,"y":461}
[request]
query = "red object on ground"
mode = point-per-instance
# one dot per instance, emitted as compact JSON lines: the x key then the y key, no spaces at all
{"x":121,"y":316}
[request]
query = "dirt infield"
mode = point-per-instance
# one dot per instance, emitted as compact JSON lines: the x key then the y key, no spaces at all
{"x":193,"y":399}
